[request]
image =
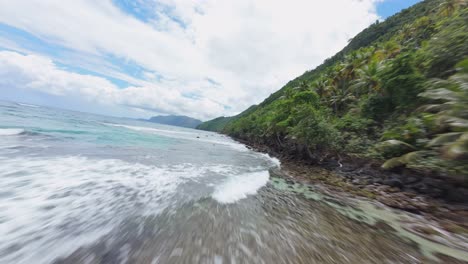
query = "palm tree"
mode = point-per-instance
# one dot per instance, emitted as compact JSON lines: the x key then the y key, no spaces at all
{"x":448,"y":7}
{"x":288,"y":94}
{"x":388,"y":50}
{"x":351,"y":62}
{"x":320,"y":87}
{"x":303,"y":86}
{"x":450,"y":108}
{"x":367,"y":80}
{"x":339,"y":93}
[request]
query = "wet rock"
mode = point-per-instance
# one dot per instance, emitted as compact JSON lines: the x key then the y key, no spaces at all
{"x":448,"y":259}
{"x":377,"y":181}
{"x":392,"y":182}
{"x":422,"y":188}
{"x":433,"y":182}
{"x":394,"y":189}
{"x":356,"y":182}
{"x":437,"y":193}
{"x":347,"y":169}
{"x":401,"y":201}
{"x":382,"y":225}
{"x":458,"y":195}
{"x":410,"y":180}
{"x":412,"y":209}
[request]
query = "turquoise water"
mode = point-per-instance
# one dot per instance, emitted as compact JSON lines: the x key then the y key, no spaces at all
{"x":69,"y":177}
{"x":83,"y":188}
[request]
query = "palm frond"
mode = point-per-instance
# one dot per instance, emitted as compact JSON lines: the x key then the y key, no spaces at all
{"x":444,"y":139}
{"x":440,"y":94}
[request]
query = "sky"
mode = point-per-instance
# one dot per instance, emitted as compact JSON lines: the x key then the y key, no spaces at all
{"x":141,"y":58}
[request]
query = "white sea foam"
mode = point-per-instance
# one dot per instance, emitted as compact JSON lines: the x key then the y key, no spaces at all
{"x":184,"y":135}
{"x":57,"y":204}
{"x":239,"y":187}
{"x":10,"y":131}
{"x":28,"y":105}
{"x":271,"y":159}
{"x":149,"y":129}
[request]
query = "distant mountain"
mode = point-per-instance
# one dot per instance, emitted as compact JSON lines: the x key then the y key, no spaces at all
{"x":182,"y":121}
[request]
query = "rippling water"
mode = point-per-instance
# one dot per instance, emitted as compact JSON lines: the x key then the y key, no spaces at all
{"x":82,"y":188}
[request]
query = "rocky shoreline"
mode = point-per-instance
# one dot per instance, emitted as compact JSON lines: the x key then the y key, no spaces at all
{"x":433,"y":198}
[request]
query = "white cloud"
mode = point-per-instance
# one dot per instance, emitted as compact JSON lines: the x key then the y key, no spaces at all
{"x":249,"y":48}
{"x":32,"y":72}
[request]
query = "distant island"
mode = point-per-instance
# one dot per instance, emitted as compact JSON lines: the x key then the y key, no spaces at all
{"x":173,"y":120}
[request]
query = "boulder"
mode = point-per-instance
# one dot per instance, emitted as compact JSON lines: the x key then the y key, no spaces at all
{"x":392,"y":182}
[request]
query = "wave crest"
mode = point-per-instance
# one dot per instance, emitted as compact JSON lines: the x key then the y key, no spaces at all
{"x":11,"y":131}
{"x":239,"y":187}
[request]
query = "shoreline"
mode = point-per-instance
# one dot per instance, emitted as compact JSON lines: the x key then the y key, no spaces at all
{"x":363,"y":179}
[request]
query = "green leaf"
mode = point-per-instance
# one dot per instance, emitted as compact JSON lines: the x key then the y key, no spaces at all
{"x":412,"y":156}
{"x":440,"y":94}
{"x":432,"y":108}
{"x":458,"y":149}
{"x":403,"y":160}
{"x":444,"y":139}
{"x":395,"y":143}
{"x":456,"y":122}
{"x":392,"y":163}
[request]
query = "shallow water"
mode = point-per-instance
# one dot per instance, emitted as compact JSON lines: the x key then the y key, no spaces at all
{"x":82,"y":188}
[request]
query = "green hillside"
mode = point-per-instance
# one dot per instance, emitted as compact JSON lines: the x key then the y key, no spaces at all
{"x":216,"y":124}
{"x":397,"y":93}
{"x":173,"y":120}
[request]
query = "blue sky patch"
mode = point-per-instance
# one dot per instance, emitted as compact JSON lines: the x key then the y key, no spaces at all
{"x":390,"y":7}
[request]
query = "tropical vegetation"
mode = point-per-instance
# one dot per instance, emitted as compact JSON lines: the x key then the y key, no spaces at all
{"x":397,"y":93}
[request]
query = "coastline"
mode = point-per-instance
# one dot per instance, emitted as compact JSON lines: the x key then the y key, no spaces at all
{"x":431,"y":198}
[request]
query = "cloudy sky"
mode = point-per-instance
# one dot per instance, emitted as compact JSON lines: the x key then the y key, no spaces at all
{"x":140,"y":58}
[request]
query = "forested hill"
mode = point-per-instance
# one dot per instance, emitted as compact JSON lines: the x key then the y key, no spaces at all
{"x":397,"y":92}
{"x":182,"y":121}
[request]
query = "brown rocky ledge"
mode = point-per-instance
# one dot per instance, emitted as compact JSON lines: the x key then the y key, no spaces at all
{"x":433,"y":198}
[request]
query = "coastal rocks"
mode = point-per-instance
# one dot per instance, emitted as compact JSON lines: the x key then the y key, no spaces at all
{"x":404,"y":189}
{"x":377,"y":181}
{"x":364,"y":174}
{"x":402,"y":201}
{"x":393,"y":182}
{"x":410,"y":180}
{"x":381,"y":225}
{"x":458,"y":194}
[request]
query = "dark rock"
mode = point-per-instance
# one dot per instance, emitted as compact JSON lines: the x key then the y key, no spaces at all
{"x":411,"y":209}
{"x":377,"y":181}
{"x":422,"y":188}
{"x":392,"y":182}
{"x":394,"y":190}
{"x":458,"y":195}
{"x":410,"y":180}
{"x":433,"y":182}
{"x":347,"y":169}
{"x":289,"y":181}
{"x":382,"y":225}
{"x":436,"y":193}
{"x":356,"y":182}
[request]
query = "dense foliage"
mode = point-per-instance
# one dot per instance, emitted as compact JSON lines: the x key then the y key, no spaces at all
{"x":397,"y":92}
{"x":216,"y":124}
{"x":173,"y":120}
